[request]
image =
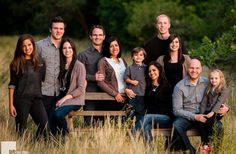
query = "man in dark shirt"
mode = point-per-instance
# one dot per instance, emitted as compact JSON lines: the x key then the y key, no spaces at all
{"x":90,"y":57}
{"x":158,"y":45}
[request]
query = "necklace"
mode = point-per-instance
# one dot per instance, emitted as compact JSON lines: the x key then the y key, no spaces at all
{"x":154,"y":88}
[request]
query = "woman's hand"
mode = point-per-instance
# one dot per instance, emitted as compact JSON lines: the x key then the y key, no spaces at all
{"x":119,"y":98}
{"x":63,"y":99}
{"x":130,"y":93}
{"x":12,"y":111}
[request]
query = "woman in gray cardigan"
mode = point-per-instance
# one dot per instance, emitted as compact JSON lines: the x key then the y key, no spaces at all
{"x":175,"y":63}
{"x":73,"y":83}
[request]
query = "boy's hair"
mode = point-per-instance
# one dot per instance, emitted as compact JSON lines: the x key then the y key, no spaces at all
{"x":137,"y":50}
{"x":222,"y":79}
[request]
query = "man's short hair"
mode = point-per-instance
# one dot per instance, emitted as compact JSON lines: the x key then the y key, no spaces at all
{"x":57,"y":19}
{"x":162,"y":15}
{"x":99,"y":27}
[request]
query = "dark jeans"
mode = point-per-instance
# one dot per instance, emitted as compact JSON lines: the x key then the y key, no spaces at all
{"x":34,"y":107}
{"x":57,"y":121}
{"x":138,"y":104}
{"x":49,"y":102}
{"x":92,"y":106}
{"x":180,"y":139}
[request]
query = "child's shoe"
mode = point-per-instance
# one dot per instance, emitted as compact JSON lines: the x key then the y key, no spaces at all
{"x":205,"y":149}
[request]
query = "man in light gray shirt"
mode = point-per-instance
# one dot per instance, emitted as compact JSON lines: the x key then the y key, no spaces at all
{"x":187,"y":97}
{"x":48,"y":50}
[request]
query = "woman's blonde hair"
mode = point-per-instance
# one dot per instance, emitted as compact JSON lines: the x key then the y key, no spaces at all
{"x":222,"y":83}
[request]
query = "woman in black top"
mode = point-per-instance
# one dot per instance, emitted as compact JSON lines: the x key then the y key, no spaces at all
{"x":158,"y":102}
{"x":26,"y":76}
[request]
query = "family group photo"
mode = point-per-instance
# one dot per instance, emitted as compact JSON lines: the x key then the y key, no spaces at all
{"x":118,"y":77}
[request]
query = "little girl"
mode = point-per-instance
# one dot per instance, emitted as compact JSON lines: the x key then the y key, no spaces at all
{"x":216,"y":95}
{"x":25,"y":97}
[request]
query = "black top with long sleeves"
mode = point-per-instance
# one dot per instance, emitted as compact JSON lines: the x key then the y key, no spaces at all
{"x":158,"y":100}
{"x":27,"y":84}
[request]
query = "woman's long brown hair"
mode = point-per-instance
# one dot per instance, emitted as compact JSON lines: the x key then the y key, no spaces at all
{"x":19,"y":61}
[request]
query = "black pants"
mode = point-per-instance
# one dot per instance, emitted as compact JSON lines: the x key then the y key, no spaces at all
{"x":49,"y":102}
{"x":207,"y":129}
{"x":34,"y":107}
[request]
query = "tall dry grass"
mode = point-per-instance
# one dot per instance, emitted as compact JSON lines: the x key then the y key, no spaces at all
{"x":103,"y":140}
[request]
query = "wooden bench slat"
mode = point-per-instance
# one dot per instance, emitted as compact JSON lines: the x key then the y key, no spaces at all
{"x":98,"y":96}
{"x":97,"y":113}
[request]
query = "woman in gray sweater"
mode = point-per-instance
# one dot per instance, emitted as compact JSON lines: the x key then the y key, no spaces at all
{"x":73,"y":83}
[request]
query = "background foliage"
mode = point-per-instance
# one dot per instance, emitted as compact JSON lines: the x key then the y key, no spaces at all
{"x":205,"y":26}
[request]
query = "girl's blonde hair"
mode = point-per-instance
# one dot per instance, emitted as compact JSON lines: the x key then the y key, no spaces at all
{"x":222,"y":83}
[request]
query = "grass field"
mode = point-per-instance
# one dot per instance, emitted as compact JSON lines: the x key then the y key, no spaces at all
{"x":99,"y":141}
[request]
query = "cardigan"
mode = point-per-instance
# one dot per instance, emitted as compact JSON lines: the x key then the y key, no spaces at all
{"x":185,"y":65}
{"x":109,"y":84}
{"x":77,"y":86}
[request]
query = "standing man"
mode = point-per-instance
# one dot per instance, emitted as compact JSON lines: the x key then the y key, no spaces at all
{"x":187,"y":97}
{"x":90,"y":57}
{"x":48,"y":49}
{"x":158,"y":45}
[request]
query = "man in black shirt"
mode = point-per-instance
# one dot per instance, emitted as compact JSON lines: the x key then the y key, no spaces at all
{"x":90,"y":57}
{"x":158,"y":45}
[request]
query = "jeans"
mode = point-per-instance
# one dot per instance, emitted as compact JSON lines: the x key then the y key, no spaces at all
{"x":57,"y":121}
{"x":154,"y":121}
{"x":180,"y":140}
{"x":34,"y":107}
{"x":138,"y":104}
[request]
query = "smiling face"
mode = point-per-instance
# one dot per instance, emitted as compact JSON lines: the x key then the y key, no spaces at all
{"x":174,"y":45}
{"x":163,"y":24}
{"x":67,"y":50}
{"x":215,"y":79}
{"x":27,"y":48}
{"x":153,"y":73}
{"x":138,"y":57}
{"x":114,"y":49}
{"x":194,"y":70}
{"x":57,"y":30}
{"x":97,"y":37}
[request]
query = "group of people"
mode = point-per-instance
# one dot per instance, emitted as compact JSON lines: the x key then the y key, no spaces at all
{"x":163,"y":85}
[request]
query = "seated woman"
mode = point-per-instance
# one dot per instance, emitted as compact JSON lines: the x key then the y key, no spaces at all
{"x":175,"y":63}
{"x":113,"y":67}
{"x":158,"y":102}
{"x":73,"y":84}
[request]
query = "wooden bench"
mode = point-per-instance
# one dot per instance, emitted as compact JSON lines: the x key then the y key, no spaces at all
{"x":101,"y":96}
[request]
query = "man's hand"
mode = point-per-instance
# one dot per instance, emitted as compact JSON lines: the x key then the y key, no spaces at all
{"x":134,"y":82}
{"x":200,"y":117}
{"x":99,"y":76}
{"x":223,"y":110}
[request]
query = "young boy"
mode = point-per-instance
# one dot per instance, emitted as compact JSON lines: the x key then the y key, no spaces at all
{"x":135,"y":79}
